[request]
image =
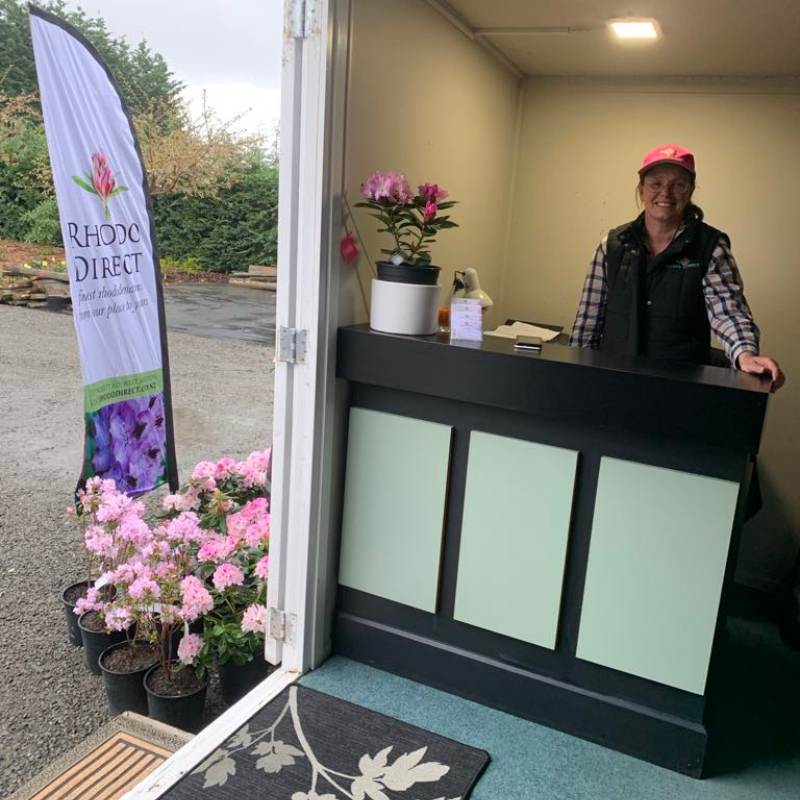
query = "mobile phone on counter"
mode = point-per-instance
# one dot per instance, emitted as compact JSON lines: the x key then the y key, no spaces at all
{"x":528,"y":343}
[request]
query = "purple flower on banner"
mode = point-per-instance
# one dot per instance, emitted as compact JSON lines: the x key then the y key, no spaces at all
{"x":100,"y":181}
{"x":130,"y":443}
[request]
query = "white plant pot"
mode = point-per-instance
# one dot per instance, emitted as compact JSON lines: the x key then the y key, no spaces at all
{"x":407,"y":308}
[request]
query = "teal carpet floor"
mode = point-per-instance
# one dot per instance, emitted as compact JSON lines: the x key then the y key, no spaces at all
{"x":757,"y":756}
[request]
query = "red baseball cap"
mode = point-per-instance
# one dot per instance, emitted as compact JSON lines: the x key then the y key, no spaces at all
{"x":668,"y":154}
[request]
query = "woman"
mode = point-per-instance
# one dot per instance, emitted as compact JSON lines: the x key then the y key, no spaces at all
{"x":659,"y":285}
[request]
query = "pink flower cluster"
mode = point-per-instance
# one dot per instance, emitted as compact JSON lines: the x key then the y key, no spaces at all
{"x":197,"y":600}
{"x":190,"y":647}
{"x":432,"y":192}
{"x":207,"y":560}
{"x":413,"y":221}
{"x":254,"y":619}
{"x":390,"y":189}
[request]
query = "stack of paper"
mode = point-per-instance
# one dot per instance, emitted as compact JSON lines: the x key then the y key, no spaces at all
{"x":522,"y":329}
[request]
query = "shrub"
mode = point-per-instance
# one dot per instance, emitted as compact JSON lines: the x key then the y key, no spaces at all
{"x":42,"y":225}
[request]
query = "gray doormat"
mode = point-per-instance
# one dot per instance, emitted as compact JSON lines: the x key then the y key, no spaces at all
{"x":306,"y":745}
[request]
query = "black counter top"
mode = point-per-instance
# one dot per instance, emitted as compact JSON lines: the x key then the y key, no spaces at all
{"x":723,"y":407}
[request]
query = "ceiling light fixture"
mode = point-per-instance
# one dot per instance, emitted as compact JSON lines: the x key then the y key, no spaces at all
{"x":630,"y":28}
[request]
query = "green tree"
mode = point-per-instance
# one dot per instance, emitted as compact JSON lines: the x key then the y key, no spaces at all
{"x":228,"y":232}
{"x":143,"y":75}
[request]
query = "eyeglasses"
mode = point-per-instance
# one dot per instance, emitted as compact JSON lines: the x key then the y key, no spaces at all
{"x":655,"y":186}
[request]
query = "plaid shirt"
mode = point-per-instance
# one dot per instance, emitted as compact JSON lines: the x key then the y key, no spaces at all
{"x":728,"y":313}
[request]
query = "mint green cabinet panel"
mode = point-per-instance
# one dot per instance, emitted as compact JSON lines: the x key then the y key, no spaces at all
{"x":394,"y":502}
{"x":514,"y":537}
{"x":657,"y":559}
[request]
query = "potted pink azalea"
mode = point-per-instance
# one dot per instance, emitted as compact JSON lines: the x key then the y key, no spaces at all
{"x":405,"y":294}
{"x":232,"y":501}
{"x":111,"y":523}
{"x":159,"y":597}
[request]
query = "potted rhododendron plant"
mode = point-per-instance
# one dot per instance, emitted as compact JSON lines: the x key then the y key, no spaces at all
{"x":110,"y":522}
{"x":232,"y":500}
{"x":190,"y":590}
{"x":405,"y":294}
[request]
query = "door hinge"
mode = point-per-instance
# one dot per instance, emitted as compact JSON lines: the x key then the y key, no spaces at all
{"x":292,"y":345}
{"x":304,"y":18}
{"x":281,"y":626}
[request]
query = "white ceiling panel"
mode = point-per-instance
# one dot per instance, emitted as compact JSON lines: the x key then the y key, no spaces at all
{"x":699,"y":37}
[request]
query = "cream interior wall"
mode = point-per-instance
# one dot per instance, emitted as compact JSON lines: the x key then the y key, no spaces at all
{"x":581,"y":142}
{"x":426,"y":101}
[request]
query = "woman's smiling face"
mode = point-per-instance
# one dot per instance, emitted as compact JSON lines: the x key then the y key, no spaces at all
{"x":665,"y":191}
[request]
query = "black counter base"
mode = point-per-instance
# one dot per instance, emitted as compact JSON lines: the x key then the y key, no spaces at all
{"x":661,"y":739}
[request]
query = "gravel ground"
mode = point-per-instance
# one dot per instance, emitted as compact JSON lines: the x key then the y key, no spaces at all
{"x":222,"y":403}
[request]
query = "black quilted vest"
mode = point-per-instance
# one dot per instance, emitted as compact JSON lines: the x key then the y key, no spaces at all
{"x":655,"y":304}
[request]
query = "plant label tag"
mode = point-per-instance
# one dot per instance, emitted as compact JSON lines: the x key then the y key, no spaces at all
{"x":466,"y":322}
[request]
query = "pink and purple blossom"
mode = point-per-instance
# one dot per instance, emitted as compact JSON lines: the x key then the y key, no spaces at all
{"x":389,"y":189}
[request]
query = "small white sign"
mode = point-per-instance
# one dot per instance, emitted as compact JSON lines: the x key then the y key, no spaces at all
{"x":466,"y":322}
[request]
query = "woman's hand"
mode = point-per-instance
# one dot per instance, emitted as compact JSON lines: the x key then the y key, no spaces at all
{"x":762,"y":365}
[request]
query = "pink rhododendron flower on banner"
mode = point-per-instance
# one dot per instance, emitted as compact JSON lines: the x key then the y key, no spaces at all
{"x":102,"y":177}
{"x":429,"y":212}
{"x":262,"y":568}
{"x":227,"y":575}
{"x":432,"y":192}
{"x":189,"y":648}
{"x":254,"y":619}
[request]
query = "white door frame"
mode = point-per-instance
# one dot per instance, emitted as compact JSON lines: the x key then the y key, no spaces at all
{"x":304,"y":423}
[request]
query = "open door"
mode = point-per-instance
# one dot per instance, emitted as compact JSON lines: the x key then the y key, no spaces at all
{"x":312,"y":114}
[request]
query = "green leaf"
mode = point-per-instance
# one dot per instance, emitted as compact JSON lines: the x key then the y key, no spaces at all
{"x":82,"y":183}
{"x":118,"y":190}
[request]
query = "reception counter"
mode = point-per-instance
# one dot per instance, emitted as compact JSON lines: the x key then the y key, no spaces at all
{"x":551,"y":534}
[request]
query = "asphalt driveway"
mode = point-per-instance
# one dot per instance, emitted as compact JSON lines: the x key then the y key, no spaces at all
{"x":220,"y":311}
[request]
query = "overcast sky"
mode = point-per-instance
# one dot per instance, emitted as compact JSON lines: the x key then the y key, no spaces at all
{"x":230,"y":48}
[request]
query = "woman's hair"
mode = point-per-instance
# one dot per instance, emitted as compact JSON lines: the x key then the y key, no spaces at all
{"x":691,"y":212}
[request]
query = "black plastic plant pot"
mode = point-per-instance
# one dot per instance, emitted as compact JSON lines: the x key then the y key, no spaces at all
{"x":408,"y":273}
{"x":184,"y":711}
{"x":94,"y":642}
{"x":56,"y":303}
{"x":236,"y":680}
{"x":73,"y":631}
{"x":124,"y":690}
